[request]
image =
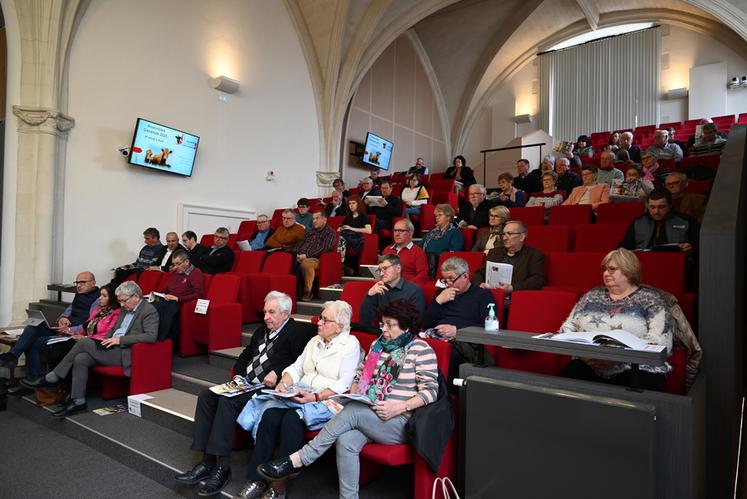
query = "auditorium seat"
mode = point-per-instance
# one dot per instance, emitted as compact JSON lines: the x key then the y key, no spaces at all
{"x":246,"y":229}
{"x":667,"y":163}
{"x":368,"y":252}
{"x":427,"y":219}
{"x":599,"y":237}
{"x":572,"y":215}
{"x":335,"y":222}
{"x":149,"y":280}
{"x":469,"y":237}
{"x":208,"y":240}
{"x":150,"y":371}
{"x":249,"y":262}
{"x":275,"y":275}
{"x":742,"y":120}
{"x":440,"y":197}
{"x":534,"y":215}
{"x":550,"y":238}
{"x":698,"y":186}
{"x":475,"y":260}
{"x":672,"y":124}
{"x":442,"y":185}
{"x":220,"y":327}
{"x":577,"y":272}
{"x":354,"y":292}
{"x":330,"y":269}
{"x":692,"y":123}
{"x":644,"y":131}
{"x":619,"y":213}
{"x":689,"y":164}
{"x":663,"y":270}
{"x":429,"y":292}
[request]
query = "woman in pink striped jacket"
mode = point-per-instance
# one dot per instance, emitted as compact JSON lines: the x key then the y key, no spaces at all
{"x":399,"y":375}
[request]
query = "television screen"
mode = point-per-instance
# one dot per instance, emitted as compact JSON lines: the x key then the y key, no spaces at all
{"x":377,"y":151}
{"x":162,"y":148}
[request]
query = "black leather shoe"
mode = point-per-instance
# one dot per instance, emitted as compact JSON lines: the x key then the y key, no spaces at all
{"x":42,"y":382}
{"x":8,"y":360}
{"x":20,"y":391}
{"x":197,"y":474}
{"x":218,"y":479}
{"x":280,"y":469}
{"x":70,"y":408}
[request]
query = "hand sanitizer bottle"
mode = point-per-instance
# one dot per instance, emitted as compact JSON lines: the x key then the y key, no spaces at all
{"x":491,"y":321}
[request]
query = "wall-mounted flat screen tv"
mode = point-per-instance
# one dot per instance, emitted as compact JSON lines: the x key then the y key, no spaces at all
{"x":377,"y":151}
{"x":163,"y":148}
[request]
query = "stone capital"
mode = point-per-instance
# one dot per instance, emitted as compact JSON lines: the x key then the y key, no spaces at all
{"x":325,"y":179}
{"x":43,"y":120}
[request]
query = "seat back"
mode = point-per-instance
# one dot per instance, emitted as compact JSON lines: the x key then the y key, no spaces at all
{"x":278,"y":262}
{"x":441,"y":197}
{"x":336,"y":221}
{"x":354,"y":292}
{"x":549,"y":238}
{"x":574,"y":214}
{"x":163,"y":281}
{"x":475,"y":260}
{"x":277,"y":218}
{"x":149,"y":280}
{"x":469,"y":237}
{"x":443,"y":354}
{"x":663,"y":270}
{"x":442,"y":185}
{"x":427,"y":218}
{"x":250,"y":262}
{"x":534,"y":215}
{"x":578,"y":271}
{"x":524,"y":313}
{"x":246,"y":229}
{"x":224,"y":288}
{"x":599,"y":237}
{"x":619,"y":213}
{"x":365,"y":339}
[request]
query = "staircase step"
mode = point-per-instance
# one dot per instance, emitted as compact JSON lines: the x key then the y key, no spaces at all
{"x":172,"y":409}
{"x":309,"y":307}
{"x":357,"y":279}
{"x":326,"y":294}
{"x":189,"y":384}
{"x":200,"y":368}
{"x":225,"y":359}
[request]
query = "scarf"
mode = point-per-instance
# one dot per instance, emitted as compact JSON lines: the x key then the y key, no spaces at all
{"x":435,"y":234}
{"x":375,"y":383}
{"x":91,"y":327}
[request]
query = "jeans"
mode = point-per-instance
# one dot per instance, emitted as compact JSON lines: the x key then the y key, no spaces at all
{"x":351,"y":429}
{"x":412,"y":210}
{"x":32,"y":341}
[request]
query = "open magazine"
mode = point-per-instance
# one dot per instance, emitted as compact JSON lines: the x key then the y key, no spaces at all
{"x":614,"y":338}
{"x":352,"y":397}
{"x":497,"y":273}
{"x":236,"y":386}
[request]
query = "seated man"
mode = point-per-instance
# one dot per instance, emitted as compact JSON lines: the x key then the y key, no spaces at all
{"x":474,"y":213}
{"x":172,"y":244}
{"x":219,"y":258}
{"x":418,"y":168}
{"x":386,"y":208}
{"x":259,"y":238}
{"x":524,"y":180}
{"x":320,"y":239}
{"x":528,"y":262}
{"x":273,"y":347}
{"x":412,"y":258}
{"x":662,"y":148}
{"x":33,"y":339}
{"x":368,"y":189}
{"x":195,"y":250}
{"x":186,"y":283}
{"x":288,"y":234}
{"x":150,"y":255}
{"x":709,"y":143}
{"x":661,"y":226}
{"x":303,"y":216}
{"x":627,"y":150}
{"x":138,"y":323}
{"x":607,"y":173}
{"x":337,"y":207}
{"x":460,"y":305}
{"x":590,"y":192}
{"x":391,"y":286}
{"x":567,"y":180}
{"x":684,"y":202}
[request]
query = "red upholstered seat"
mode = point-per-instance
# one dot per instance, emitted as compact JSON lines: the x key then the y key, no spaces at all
{"x":675,"y":381}
{"x":440,"y":197}
{"x":578,"y":272}
{"x":246,"y":229}
{"x":354,"y":293}
{"x":250,"y":262}
{"x":335,"y":222}
{"x":475,"y":260}
{"x":599,"y":237}
{"x":149,"y":281}
{"x":573,"y":215}
{"x":469,"y":236}
{"x":427,"y":218}
{"x":534,"y":215}
{"x":550,"y":238}
{"x":275,"y":275}
{"x":663,"y":270}
{"x":150,"y":371}
{"x":619,"y":213}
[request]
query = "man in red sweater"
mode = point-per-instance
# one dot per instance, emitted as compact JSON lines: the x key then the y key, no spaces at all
{"x":412,"y":257}
{"x":186,"y":283}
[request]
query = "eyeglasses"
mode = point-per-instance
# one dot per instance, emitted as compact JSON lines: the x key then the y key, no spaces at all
{"x":177,"y":263}
{"x":323,"y":320}
{"x":79,"y":283}
{"x":402,"y":230}
{"x":262,"y":222}
{"x":448,"y":281}
{"x":383,"y":268}
{"x":389,"y":324}
{"x":216,"y":236}
{"x":122,"y":301}
{"x":510,"y":234}
{"x":609,"y":268}
{"x":494,"y":216}
{"x":288,"y":219}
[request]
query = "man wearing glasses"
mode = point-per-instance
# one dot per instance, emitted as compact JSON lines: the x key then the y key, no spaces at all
{"x":392,"y":286}
{"x":150,"y":255}
{"x":288,"y":234}
{"x":186,"y":283}
{"x":411,"y":256}
{"x":86,"y":299}
{"x":528,"y":262}
{"x":474,"y":213}
{"x":220,"y":257}
{"x":457,"y":306}
{"x":259,"y":239}
{"x":138,"y":323}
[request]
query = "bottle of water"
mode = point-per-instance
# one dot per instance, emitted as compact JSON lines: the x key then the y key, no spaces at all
{"x":491,"y":321}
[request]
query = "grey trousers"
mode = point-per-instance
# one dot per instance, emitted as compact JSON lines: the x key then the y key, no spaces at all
{"x":352,"y":428}
{"x":84,"y":355}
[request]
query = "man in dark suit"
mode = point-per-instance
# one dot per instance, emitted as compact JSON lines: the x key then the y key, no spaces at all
{"x":138,"y":323}
{"x":474,"y":213}
{"x":219,"y":258}
{"x":387,"y":208}
{"x":195,"y":250}
{"x":172,"y":244}
{"x":337,"y":207}
{"x":273,"y":347}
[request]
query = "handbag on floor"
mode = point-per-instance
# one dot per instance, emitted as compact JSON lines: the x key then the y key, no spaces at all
{"x":445,"y":485}
{"x":46,"y":397}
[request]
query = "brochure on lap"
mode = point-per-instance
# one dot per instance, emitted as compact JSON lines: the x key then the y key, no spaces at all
{"x":236,"y":386}
{"x":353,"y":397}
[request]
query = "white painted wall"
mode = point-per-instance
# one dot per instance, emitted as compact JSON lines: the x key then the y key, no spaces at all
{"x":153,"y":59}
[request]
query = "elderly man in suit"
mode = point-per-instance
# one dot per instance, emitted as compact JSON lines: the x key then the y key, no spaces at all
{"x":138,"y":323}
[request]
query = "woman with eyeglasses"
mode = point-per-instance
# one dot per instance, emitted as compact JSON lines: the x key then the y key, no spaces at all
{"x":622,"y":303}
{"x":414,"y":195}
{"x":489,"y":239}
{"x":398,"y":376}
{"x":445,"y":236}
{"x":326,"y":367}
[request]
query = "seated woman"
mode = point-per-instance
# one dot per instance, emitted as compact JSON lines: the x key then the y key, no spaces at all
{"x":461,"y":173}
{"x":445,"y":236}
{"x":635,"y":188}
{"x":549,"y":196}
{"x":98,"y":325}
{"x":414,"y":195}
{"x":589,"y":192}
{"x":510,"y":195}
{"x":399,"y":375}
{"x":621,"y":304}
{"x":352,"y":229}
{"x":489,"y":239}
{"x":325,"y":368}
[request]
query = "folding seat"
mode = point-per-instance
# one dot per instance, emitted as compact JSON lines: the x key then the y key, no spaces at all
{"x":442,"y":185}
{"x":429,"y":292}
{"x":354,"y":292}
{"x":368,"y":252}
{"x":277,"y":218}
{"x":440,"y":197}
{"x":469,"y":237}
{"x":475,"y":260}
{"x":534,"y":215}
{"x":663,"y":270}
{"x":692,"y":123}
{"x":550,"y":238}
{"x":249,"y":262}
{"x":723,"y":121}
{"x":619,"y":213}
{"x":536,"y":312}
{"x":335,"y":222}
{"x":246,"y":229}
{"x":208,"y":240}
{"x":572,"y":215}
{"x":599,"y":237}
{"x":150,"y":371}
{"x":275,"y":276}
{"x":427,"y":218}
{"x":149,"y":280}
{"x":220,"y":327}
{"x":644,"y":131}
{"x":577,"y":272}
{"x":436,"y":176}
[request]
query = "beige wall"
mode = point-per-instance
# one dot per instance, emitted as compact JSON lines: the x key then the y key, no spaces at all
{"x":395,"y":101}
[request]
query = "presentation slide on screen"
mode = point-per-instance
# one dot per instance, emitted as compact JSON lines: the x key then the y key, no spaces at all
{"x":378,"y":151}
{"x":163,"y":148}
